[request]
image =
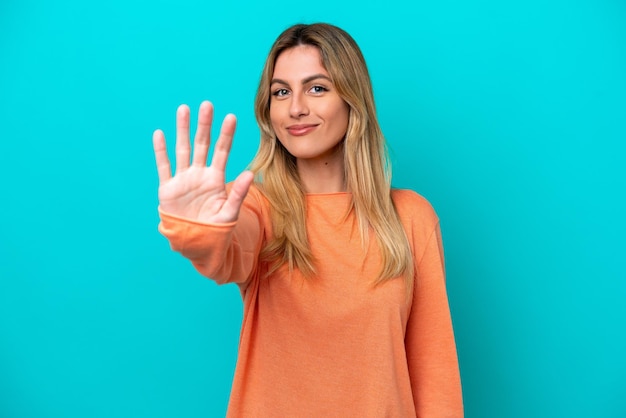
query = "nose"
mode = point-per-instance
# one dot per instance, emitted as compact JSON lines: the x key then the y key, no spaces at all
{"x":298,"y":106}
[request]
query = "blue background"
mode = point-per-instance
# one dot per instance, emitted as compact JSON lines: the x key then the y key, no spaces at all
{"x":508,"y":116}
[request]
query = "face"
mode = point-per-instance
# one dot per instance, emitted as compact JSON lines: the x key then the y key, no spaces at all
{"x":309,"y":117}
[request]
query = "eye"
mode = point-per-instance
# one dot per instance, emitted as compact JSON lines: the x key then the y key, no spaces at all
{"x":318,"y":89}
{"x":280,"y":92}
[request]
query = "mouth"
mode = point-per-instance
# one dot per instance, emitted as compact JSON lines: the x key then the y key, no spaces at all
{"x":299,"y":130}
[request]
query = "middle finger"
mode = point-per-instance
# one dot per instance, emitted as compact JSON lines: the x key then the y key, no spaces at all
{"x":202,"y":140}
{"x":182,"y":138}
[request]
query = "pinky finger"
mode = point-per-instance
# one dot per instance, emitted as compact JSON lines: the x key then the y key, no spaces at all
{"x":160,"y":153}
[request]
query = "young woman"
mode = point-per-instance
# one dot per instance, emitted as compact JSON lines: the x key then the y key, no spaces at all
{"x":342,"y":278}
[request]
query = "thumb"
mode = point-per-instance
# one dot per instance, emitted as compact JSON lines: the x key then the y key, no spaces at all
{"x":237,"y":194}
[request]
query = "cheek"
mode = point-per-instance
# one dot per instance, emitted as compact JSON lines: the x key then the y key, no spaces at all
{"x":343,"y":116}
{"x":274,"y":119}
{"x":337,"y":113}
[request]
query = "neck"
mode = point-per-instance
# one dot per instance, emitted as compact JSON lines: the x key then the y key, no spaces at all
{"x":323,"y":175}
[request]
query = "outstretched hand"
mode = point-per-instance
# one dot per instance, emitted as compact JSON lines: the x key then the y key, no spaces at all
{"x":196,"y":191}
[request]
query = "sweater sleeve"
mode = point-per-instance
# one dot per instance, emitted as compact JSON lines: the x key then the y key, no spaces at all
{"x":226,"y":253}
{"x":430,"y":345}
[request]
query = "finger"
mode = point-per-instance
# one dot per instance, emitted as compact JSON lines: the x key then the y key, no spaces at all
{"x":224,"y":143}
{"x":237,"y":194}
{"x":160,"y":154}
{"x":202,"y":140}
{"x":182,"y":138}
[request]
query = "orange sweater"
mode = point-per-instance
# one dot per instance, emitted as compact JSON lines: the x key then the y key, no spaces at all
{"x":333,"y":345}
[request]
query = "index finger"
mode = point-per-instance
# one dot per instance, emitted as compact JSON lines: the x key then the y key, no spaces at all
{"x":160,"y":153}
{"x":224,"y":142}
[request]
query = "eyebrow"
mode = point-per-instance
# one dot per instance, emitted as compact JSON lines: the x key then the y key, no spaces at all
{"x":304,"y":81}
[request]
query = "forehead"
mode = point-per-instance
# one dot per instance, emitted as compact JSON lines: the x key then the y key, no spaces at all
{"x":299,"y":62}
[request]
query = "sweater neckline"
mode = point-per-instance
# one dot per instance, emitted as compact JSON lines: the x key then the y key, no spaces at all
{"x":313,"y":195}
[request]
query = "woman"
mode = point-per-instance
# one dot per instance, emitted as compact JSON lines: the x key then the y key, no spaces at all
{"x":345,"y":306}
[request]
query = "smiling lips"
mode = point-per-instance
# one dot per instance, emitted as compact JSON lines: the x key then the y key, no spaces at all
{"x":299,"y":130}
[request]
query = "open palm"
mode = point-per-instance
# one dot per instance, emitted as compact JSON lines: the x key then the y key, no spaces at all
{"x":196,"y":191}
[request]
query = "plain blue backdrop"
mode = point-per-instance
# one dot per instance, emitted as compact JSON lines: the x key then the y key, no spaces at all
{"x":508,"y":116}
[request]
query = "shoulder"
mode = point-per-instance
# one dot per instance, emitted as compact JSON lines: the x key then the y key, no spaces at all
{"x":417,"y":215}
{"x":413,"y":205}
{"x":256,"y":194}
{"x":257,"y":202}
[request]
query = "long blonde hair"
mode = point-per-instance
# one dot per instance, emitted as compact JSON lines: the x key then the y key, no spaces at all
{"x":367,"y":168}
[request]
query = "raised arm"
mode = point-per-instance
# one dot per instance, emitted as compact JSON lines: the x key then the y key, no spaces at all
{"x":200,"y":216}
